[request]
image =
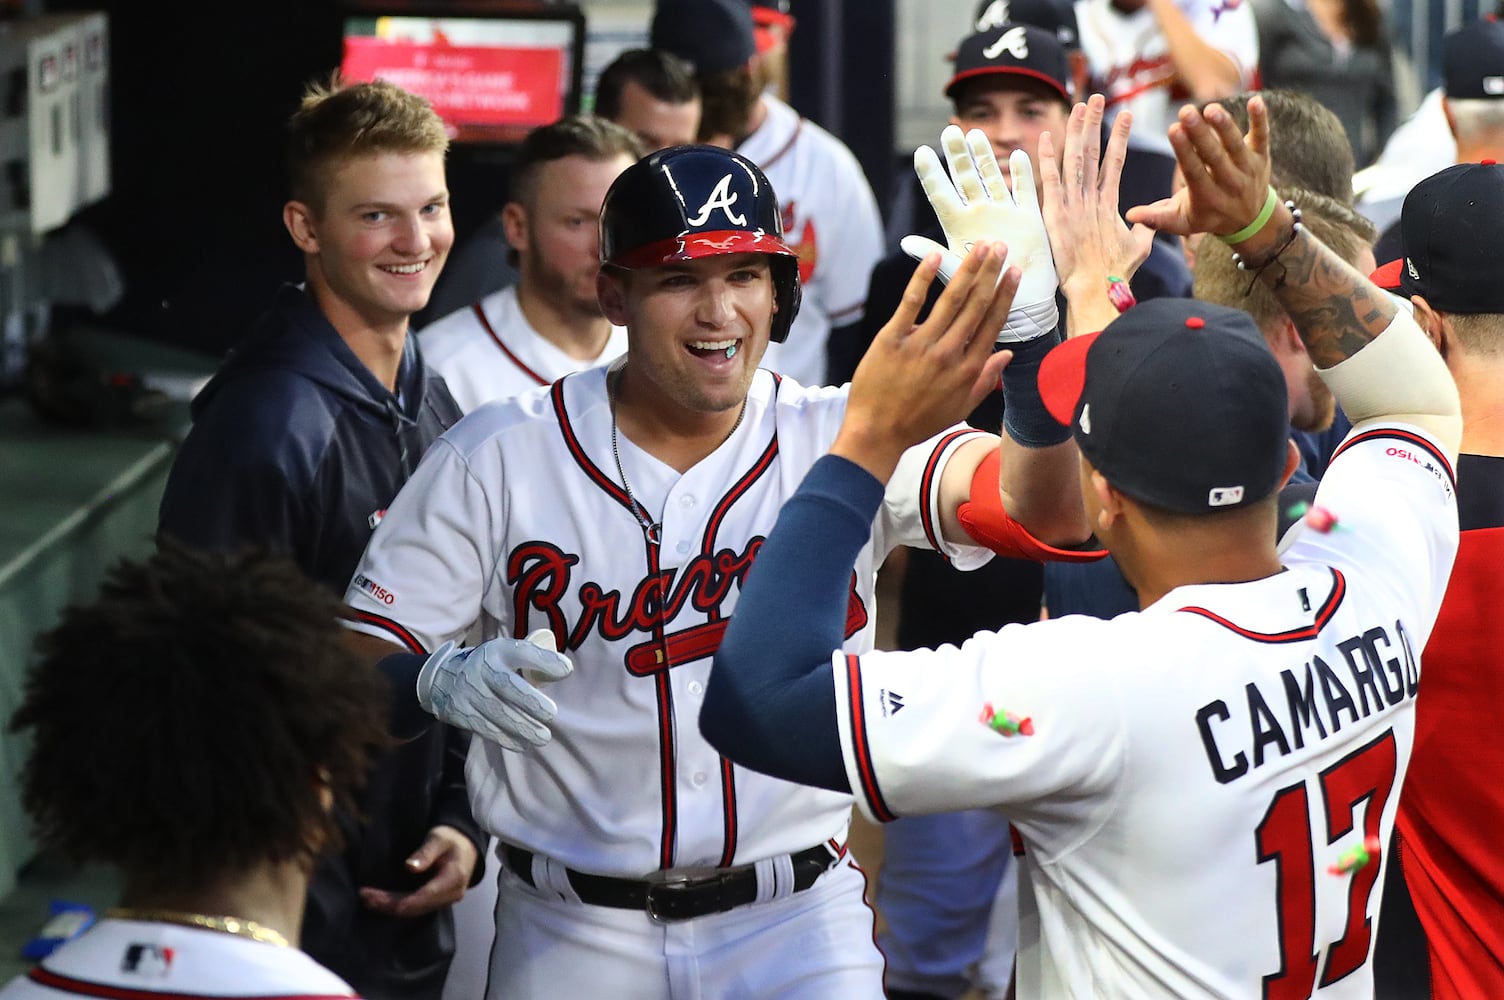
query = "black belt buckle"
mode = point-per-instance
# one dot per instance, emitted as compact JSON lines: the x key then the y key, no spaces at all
{"x":681,"y":895}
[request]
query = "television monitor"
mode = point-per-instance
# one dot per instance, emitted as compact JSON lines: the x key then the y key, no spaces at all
{"x":491,"y":76}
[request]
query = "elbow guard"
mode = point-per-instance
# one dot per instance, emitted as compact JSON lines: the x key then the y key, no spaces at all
{"x":988,"y":524}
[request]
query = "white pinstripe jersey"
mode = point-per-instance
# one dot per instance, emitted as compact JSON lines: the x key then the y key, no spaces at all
{"x":516,"y":519}
{"x":830,"y":219}
{"x":137,"y":958}
{"x":489,"y":350}
{"x":1197,"y":767}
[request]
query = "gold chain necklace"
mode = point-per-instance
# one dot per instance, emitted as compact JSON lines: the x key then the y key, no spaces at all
{"x":225,"y":925}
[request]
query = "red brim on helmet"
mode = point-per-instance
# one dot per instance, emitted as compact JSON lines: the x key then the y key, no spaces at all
{"x":692,"y":246}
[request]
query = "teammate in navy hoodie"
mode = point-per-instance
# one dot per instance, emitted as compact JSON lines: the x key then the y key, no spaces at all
{"x":298,"y":445}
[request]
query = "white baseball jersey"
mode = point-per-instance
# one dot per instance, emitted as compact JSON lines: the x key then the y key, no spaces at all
{"x":1129,"y":59}
{"x":517,"y":519}
{"x":135,"y":958}
{"x":490,"y":351}
{"x":830,"y":219}
{"x":1197,"y":767}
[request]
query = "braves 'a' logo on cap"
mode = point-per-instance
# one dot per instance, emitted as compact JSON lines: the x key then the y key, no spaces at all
{"x":995,"y":16}
{"x":1015,"y":41}
{"x":722,"y":197}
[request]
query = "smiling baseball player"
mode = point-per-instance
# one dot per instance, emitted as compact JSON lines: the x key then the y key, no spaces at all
{"x":1202,"y":786}
{"x":622,"y":509}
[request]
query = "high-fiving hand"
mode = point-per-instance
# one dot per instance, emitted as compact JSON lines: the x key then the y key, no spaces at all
{"x":974,"y":204}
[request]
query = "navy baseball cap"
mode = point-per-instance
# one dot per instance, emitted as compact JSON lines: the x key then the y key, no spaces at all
{"x":1013,"y":49}
{"x":1452,"y":240}
{"x":1058,"y":16}
{"x":711,"y":35}
{"x":1472,"y":61}
{"x":1179,"y":403}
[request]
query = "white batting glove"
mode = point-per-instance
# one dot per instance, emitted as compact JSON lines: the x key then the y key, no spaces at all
{"x":481,"y":690}
{"x":973,"y":204}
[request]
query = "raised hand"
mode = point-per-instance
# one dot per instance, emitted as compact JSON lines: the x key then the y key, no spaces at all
{"x":915,"y":381}
{"x":1090,"y":240}
{"x":1226,"y":173}
{"x":974,"y":203}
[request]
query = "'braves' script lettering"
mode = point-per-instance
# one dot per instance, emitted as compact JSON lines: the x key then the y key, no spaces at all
{"x":541,"y":573}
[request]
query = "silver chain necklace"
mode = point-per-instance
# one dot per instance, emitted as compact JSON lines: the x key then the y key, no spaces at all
{"x":653,"y":530}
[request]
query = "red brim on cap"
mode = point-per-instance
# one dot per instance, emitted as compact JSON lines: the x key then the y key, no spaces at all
{"x":692,"y":246}
{"x":1034,"y":74}
{"x":1062,"y":377}
{"x":764,"y":21}
{"x":1389,"y":275}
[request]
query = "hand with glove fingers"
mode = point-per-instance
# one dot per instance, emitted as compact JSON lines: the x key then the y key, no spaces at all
{"x":974,"y":204}
{"x":489,"y":689}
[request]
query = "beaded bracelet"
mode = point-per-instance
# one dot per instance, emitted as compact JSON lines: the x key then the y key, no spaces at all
{"x":1271,"y":200}
{"x":1246,"y":266}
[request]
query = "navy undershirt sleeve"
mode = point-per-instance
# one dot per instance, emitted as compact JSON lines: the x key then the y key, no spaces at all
{"x":771,"y":704}
{"x":407,"y":719}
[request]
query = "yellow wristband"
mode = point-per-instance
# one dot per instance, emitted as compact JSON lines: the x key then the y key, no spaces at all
{"x":1270,"y":204}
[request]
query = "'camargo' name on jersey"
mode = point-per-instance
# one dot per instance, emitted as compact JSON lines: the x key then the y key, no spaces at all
{"x":1310,"y":704}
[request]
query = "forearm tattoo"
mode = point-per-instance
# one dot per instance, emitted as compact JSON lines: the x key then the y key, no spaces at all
{"x":1335,"y":309}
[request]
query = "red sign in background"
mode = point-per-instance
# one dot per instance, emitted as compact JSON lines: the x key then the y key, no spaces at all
{"x":467,"y":84}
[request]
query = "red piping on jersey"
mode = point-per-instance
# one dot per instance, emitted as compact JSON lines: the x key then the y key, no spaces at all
{"x":737,"y":491}
{"x":576,"y":452}
{"x":926,"y":509}
{"x":80,"y":987}
{"x":1323,"y":615}
{"x":767,"y":164}
{"x":859,"y":745}
{"x":1408,"y":438}
{"x":728,"y":808}
{"x":403,"y":636}
{"x":486,"y":324}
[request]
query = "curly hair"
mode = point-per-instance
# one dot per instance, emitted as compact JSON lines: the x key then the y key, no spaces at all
{"x":192,"y":721}
{"x":339,"y":120}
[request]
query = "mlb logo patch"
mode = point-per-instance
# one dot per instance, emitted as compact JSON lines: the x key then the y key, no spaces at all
{"x":149,"y":961}
{"x":1224,"y":496}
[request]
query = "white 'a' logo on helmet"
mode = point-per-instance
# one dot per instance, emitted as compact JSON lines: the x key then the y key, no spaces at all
{"x":1015,"y":41}
{"x":995,"y":16}
{"x":722,"y":197}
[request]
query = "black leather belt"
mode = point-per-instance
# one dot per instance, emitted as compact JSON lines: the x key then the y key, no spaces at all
{"x":676,"y":899}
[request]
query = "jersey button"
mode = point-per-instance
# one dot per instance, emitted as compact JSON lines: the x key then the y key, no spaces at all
{"x":683,"y":548}
{"x":686,"y":501}
{"x":698,"y":778}
{"x":695,"y":687}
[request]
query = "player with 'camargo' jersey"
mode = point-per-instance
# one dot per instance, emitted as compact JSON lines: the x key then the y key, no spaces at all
{"x":1205,"y":788}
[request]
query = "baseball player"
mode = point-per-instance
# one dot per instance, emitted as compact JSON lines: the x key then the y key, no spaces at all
{"x":620,"y":512}
{"x":830,"y":216}
{"x":1449,"y":813}
{"x":1202,"y":787}
{"x":548,"y":324}
{"x":193,"y":727}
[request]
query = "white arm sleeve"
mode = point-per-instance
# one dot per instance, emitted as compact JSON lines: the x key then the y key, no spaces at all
{"x":1400,"y":377}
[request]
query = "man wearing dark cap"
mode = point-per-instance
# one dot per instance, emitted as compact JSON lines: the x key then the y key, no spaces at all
{"x":946,"y":889}
{"x":830,"y":215}
{"x":1462,"y":121}
{"x":1202,"y":788}
{"x":1452,"y":808}
{"x":1058,"y":16}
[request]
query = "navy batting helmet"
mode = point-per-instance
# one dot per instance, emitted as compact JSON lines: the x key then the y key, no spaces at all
{"x":687,"y":202}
